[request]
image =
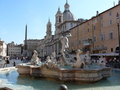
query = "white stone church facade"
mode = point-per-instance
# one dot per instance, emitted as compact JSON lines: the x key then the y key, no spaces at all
{"x":64,"y":22}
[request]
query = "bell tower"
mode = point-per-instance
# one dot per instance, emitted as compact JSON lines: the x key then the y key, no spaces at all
{"x":49,"y":28}
{"x":59,"y":19}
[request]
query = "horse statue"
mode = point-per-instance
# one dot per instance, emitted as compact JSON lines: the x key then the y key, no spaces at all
{"x":35,"y":60}
{"x":79,"y":63}
{"x":88,"y":59}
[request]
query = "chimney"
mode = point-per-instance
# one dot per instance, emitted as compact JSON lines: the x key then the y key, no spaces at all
{"x":97,"y":13}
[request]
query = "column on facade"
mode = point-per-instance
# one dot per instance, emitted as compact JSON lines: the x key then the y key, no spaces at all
{"x":49,"y":50}
{"x":57,"y":48}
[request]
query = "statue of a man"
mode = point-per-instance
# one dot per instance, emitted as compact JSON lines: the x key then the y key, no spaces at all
{"x":65,"y":42}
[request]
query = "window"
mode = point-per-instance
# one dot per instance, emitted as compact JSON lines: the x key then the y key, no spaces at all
{"x":82,"y":41}
{"x":95,"y":38}
{"x":71,"y":25}
{"x":111,"y":49}
{"x":111,"y":35}
{"x":59,"y":18}
{"x":102,"y":46}
{"x":102,"y":24}
{"x":110,"y":22}
{"x":94,"y":27}
{"x":102,"y":37}
{"x":110,"y":13}
{"x":88,"y":29}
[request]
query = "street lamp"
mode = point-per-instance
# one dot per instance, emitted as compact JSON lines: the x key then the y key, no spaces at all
{"x":118,"y":21}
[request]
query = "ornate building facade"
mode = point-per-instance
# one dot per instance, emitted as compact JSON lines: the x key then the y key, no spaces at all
{"x":64,"y":22}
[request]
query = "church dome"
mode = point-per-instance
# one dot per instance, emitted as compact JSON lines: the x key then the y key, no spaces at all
{"x":67,"y":15}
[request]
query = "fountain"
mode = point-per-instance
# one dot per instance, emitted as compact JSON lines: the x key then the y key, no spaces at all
{"x":78,"y":71}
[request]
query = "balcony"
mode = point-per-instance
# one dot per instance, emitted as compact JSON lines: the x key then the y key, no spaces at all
{"x":99,"y":48}
{"x":104,"y":48}
{"x":87,"y":42}
{"x":85,"y":49}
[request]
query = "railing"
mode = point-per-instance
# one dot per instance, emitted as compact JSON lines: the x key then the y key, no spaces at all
{"x":102,"y":48}
{"x":87,"y":42}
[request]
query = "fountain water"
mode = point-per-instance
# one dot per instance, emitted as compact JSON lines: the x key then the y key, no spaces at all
{"x":19,"y":82}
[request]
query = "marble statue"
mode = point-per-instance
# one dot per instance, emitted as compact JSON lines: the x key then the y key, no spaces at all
{"x":79,"y":63}
{"x":65,"y":49}
{"x":87,"y":59}
{"x":35,"y":60}
{"x":65,"y":42}
{"x":102,"y":61}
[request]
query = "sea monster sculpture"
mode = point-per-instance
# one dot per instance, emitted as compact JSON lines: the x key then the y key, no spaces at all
{"x":35,"y":60}
{"x":79,"y":63}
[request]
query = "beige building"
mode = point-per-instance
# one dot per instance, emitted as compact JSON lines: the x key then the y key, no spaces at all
{"x":32,"y":44}
{"x":98,"y":34}
{"x":14,"y":50}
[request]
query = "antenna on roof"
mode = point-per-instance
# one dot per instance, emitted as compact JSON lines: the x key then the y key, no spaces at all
{"x":114,"y":3}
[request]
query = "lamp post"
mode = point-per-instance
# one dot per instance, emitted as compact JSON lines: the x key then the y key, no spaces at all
{"x":118,"y":21}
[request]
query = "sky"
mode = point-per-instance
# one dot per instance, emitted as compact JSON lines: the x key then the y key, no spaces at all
{"x":15,"y":14}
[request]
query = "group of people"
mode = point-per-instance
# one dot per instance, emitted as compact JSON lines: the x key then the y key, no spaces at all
{"x":4,"y":62}
{"x":110,"y":61}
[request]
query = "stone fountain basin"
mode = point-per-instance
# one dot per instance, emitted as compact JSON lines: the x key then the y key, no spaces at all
{"x":64,"y":75}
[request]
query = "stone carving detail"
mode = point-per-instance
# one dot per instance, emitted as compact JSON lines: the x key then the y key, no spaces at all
{"x":80,"y":62}
{"x":35,"y":60}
